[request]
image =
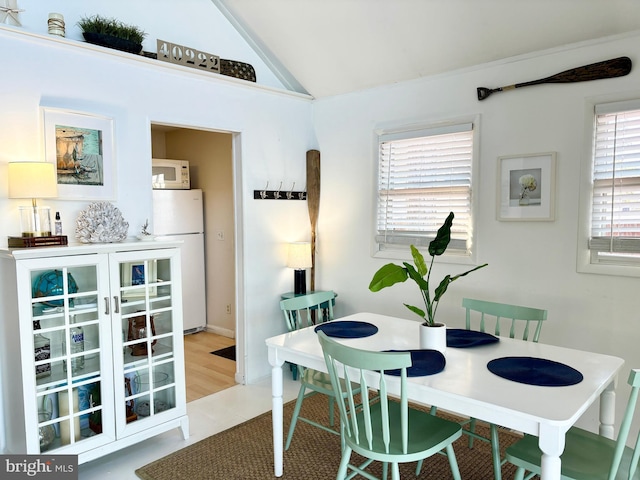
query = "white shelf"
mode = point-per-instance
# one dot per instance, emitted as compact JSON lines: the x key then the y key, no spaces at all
{"x":61,"y":42}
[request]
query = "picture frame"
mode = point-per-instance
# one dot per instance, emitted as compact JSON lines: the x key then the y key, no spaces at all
{"x":526,"y":187}
{"x":138,"y":274}
{"x":81,"y":146}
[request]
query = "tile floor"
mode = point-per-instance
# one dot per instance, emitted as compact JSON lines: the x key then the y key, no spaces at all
{"x":207,"y":416}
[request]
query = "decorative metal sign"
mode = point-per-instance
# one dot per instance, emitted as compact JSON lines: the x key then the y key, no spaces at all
{"x":189,"y":57}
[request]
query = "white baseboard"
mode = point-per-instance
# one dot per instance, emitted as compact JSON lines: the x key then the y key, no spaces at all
{"x":220,"y":331}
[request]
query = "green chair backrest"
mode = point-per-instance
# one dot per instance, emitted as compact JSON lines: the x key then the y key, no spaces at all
{"x":363,"y":367}
{"x":501,"y":313}
{"x":621,"y":442}
{"x":306,"y":310}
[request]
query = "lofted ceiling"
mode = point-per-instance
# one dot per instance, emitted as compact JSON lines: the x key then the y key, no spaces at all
{"x":331,"y":47}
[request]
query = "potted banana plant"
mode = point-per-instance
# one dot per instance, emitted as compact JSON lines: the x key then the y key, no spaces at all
{"x":432,"y":333}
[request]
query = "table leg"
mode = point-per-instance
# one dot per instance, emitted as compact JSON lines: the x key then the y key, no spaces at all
{"x":608,"y":411}
{"x":277,"y":418}
{"x":551,"y":442}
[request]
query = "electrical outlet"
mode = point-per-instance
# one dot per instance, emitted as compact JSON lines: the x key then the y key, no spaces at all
{"x":220,"y":235}
{"x":228,"y":308}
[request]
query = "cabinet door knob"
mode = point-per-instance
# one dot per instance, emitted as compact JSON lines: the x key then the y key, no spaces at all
{"x":106,"y":305}
{"x":116,"y":304}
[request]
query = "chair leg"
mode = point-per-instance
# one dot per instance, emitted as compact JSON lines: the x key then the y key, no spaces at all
{"x":519,"y":474}
{"x":395,"y":471}
{"x":453,"y":462}
{"x":385,"y":470}
{"x":294,"y":417}
{"x":294,"y":370}
{"x":495,"y":453}
{"x":472,"y":429}
{"x":344,"y":463}
{"x":432,"y":411}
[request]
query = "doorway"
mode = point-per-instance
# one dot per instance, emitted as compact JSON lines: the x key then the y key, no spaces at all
{"x":211,"y":161}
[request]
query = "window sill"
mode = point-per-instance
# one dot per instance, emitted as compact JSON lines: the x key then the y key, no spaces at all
{"x":626,"y":268}
{"x":404,"y":254}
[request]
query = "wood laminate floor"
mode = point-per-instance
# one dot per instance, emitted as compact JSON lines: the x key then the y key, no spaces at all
{"x":207,"y":373}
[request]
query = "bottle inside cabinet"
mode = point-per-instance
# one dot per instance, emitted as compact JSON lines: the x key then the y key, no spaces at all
{"x":42,"y":351}
{"x":76,"y":347}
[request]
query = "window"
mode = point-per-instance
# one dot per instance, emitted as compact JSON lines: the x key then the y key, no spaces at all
{"x":422,"y":176}
{"x":615,"y":204}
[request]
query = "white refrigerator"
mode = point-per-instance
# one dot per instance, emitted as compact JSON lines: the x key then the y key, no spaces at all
{"x":178,"y":215}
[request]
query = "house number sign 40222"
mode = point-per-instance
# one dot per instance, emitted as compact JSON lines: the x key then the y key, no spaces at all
{"x":189,"y":57}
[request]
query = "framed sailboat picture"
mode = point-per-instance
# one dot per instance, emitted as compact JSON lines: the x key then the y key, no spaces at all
{"x":81,"y":145}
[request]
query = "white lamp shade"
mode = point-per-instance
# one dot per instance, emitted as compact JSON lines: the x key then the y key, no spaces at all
{"x":32,"y":180}
{"x":299,"y":255}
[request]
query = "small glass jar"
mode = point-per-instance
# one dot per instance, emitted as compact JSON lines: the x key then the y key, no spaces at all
{"x":46,"y":433}
{"x":35,"y":221}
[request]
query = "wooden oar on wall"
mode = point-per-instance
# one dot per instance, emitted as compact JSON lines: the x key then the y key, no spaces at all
{"x":616,"y":67}
{"x":313,"y":202}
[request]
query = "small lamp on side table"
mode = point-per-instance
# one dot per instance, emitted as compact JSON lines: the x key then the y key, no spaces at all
{"x":299,"y":259}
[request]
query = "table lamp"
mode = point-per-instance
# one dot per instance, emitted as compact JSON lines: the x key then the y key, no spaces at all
{"x":299,"y":259}
{"x":33,"y":180}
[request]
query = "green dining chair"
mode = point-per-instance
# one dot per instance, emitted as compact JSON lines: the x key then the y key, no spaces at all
{"x":300,"y":312}
{"x":384,"y":429}
{"x":499,"y":319}
{"x":587,"y":455}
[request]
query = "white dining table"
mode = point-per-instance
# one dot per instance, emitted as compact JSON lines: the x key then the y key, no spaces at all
{"x":467,"y":387}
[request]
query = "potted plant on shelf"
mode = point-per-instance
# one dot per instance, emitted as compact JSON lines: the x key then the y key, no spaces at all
{"x":390,"y":274}
{"x":112,"y":33}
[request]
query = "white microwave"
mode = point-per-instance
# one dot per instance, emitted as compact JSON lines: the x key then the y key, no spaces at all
{"x":170,"y":174}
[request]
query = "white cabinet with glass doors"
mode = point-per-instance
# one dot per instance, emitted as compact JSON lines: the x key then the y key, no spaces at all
{"x":93,"y":356}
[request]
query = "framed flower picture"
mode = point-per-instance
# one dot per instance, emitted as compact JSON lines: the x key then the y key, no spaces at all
{"x":81,"y":145}
{"x":526,"y":187}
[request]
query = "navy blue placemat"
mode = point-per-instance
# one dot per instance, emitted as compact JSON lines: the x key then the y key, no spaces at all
{"x":423,"y":362}
{"x":461,"y":338}
{"x":535,"y":371}
{"x":347,"y":329}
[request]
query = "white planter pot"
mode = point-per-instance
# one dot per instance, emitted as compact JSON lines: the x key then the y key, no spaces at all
{"x":433,"y":338}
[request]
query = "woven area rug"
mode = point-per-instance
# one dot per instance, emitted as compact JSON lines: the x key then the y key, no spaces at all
{"x":245,"y":452}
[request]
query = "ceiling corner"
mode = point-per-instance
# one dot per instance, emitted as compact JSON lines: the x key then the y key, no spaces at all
{"x":272,"y":62}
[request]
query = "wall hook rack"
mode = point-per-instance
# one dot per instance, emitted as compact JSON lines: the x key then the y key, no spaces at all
{"x":278,"y":194}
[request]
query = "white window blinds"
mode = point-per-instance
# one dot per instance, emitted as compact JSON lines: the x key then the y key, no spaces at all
{"x":615,"y":213}
{"x":422,"y":176}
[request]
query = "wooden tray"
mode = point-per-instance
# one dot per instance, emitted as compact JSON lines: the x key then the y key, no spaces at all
{"x":29,"y":242}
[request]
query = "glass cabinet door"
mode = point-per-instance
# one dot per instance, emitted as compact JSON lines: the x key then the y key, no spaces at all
{"x":147,"y":322}
{"x":68,"y":345}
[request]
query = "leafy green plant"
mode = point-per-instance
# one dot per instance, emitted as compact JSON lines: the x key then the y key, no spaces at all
{"x":390,"y":274}
{"x":111,"y":26}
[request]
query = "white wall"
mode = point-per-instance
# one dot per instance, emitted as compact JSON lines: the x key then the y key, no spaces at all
{"x":273,"y":131}
{"x":530,"y":263}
